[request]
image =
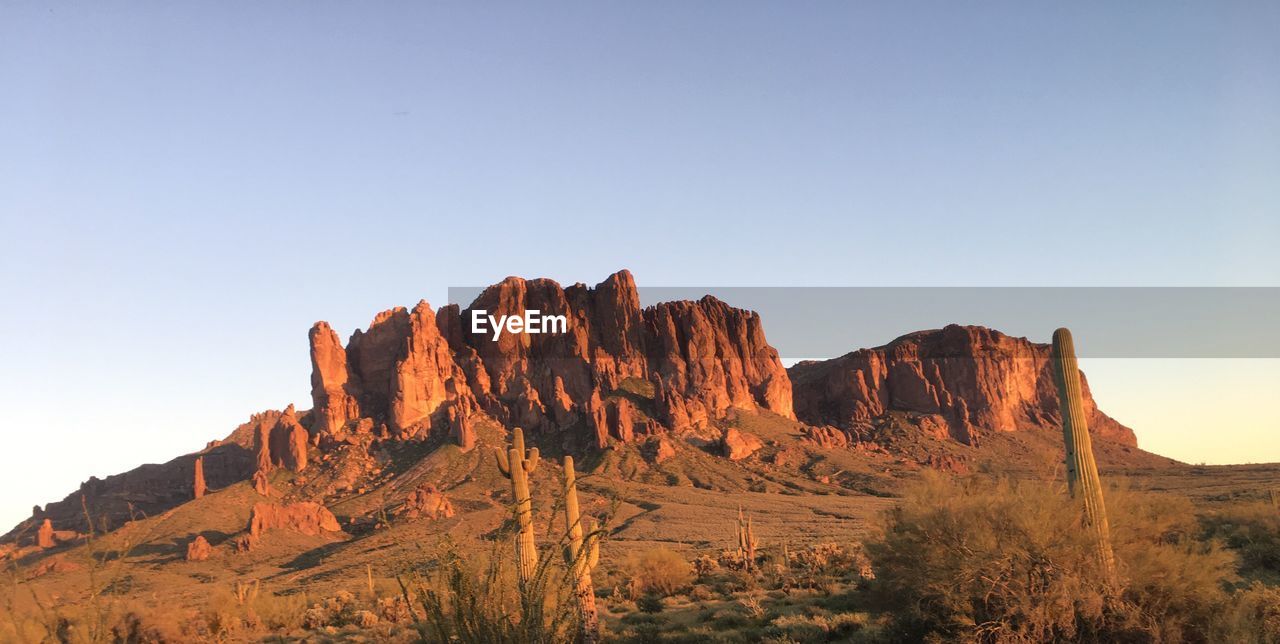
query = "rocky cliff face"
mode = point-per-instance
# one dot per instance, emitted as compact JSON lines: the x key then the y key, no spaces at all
{"x":704,"y":358}
{"x":708,"y":357}
{"x":964,"y":379}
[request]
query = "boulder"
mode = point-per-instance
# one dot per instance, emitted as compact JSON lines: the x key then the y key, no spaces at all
{"x":426,"y":502}
{"x":305,"y":517}
{"x":737,"y":445}
{"x":199,"y":549}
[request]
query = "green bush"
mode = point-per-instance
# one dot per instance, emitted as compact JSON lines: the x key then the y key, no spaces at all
{"x":990,"y":560}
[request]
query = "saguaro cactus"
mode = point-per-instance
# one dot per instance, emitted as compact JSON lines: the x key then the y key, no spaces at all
{"x":517,"y":465}
{"x":746,"y":542}
{"x":580,"y":562}
{"x":1082,"y":470}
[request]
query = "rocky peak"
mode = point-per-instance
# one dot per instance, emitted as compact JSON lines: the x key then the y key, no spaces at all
{"x":969,"y":379}
{"x":332,"y":393}
{"x":708,"y":358}
{"x":422,"y":377}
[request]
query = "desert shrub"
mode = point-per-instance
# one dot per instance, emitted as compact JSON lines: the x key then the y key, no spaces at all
{"x":800,"y":628}
{"x":649,"y":603}
{"x":660,"y":571}
{"x":643,"y":629}
{"x":1253,"y":530}
{"x":735,"y":581}
{"x":818,"y":565}
{"x":705,"y":565}
{"x":477,"y":599}
{"x":995,"y":561}
{"x":1253,"y":616}
{"x":726,"y":619}
{"x":279,"y":612}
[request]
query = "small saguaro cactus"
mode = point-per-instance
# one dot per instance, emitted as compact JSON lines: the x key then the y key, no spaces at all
{"x":517,"y":465}
{"x":581,"y":554}
{"x":746,"y":542}
{"x":1082,"y":471}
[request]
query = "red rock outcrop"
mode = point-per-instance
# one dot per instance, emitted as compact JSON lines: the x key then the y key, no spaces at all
{"x":372,"y":357}
{"x":426,"y":502}
{"x":972,"y":378}
{"x":422,"y":377}
{"x":709,"y":358}
{"x":460,"y":428}
{"x":288,"y":442}
{"x":261,"y":484}
{"x":199,"y":549}
{"x":828,"y":437}
{"x":44,"y":536}
{"x":660,"y":450}
{"x":197,"y":483}
{"x":331,"y":389}
{"x":622,"y":419}
{"x":737,"y":445}
{"x":704,"y":357}
{"x":262,"y":447}
{"x":599,"y":417}
{"x":305,"y":517}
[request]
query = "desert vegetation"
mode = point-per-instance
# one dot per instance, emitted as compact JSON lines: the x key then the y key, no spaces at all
{"x":960,"y":558}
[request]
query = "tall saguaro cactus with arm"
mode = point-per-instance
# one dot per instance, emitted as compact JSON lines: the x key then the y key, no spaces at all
{"x":517,"y":465}
{"x":581,"y":554}
{"x":1082,"y":470}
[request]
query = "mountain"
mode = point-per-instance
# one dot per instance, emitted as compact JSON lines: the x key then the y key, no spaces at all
{"x":959,"y":382}
{"x":627,"y":388}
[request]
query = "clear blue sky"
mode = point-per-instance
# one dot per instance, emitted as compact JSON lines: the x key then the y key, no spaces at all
{"x":186,"y":187}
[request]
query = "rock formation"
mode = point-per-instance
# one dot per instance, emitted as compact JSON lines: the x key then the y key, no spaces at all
{"x":705,"y":357}
{"x":617,"y":374}
{"x":660,"y":450}
{"x":828,"y":437}
{"x":737,"y":445}
{"x":971,"y":379}
{"x":262,"y":447}
{"x":261,"y":484}
{"x":460,"y":429}
{"x":622,"y":420}
{"x":288,"y":442}
{"x":197,"y":483}
{"x":330,"y":382}
{"x":44,"y":536}
{"x":305,"y":517}
{"x":713,"y":358}
{"x":198,"y":549}
{"x":599,"y":419}
{"x":426,"y":502}
{"x":422,"y":376}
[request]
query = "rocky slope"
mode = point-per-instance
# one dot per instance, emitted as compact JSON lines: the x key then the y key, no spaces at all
{"x":620,"y":375}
